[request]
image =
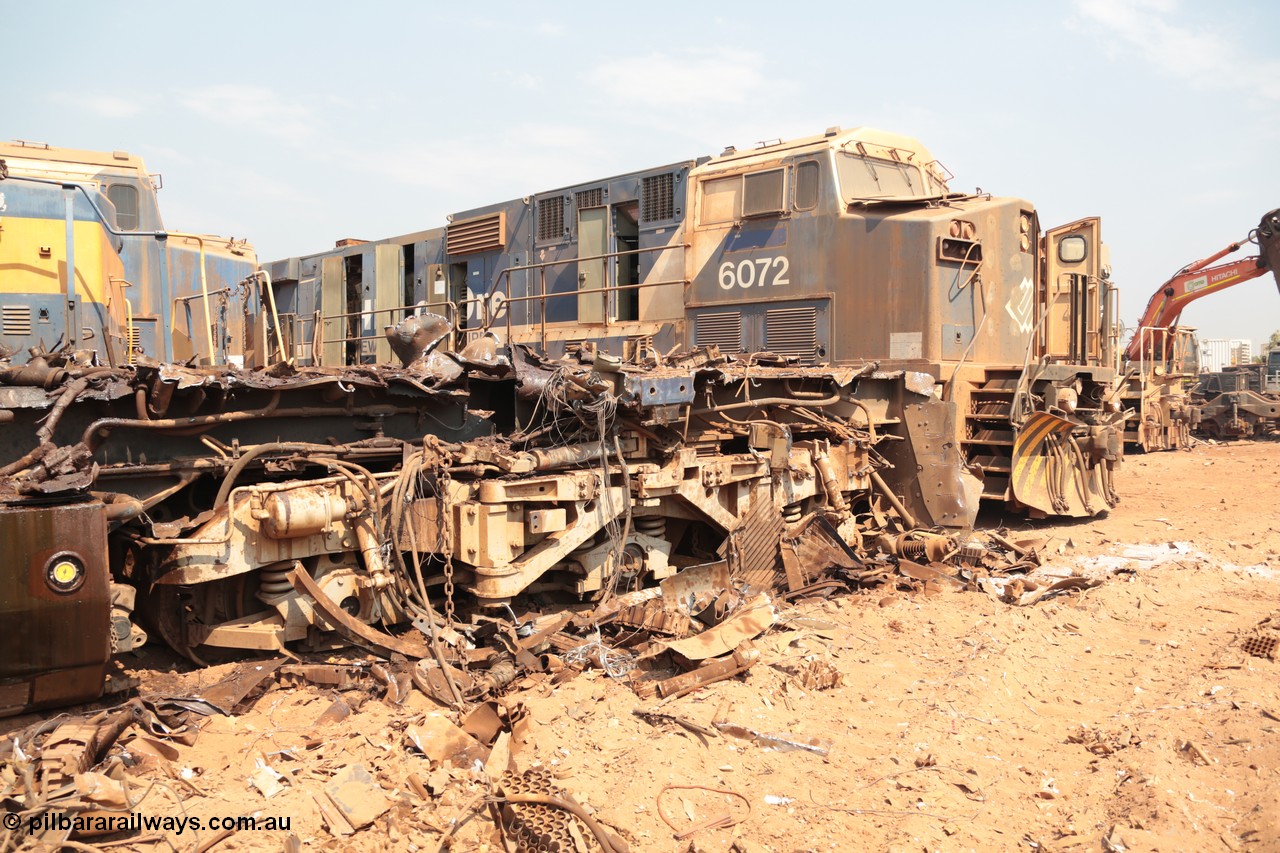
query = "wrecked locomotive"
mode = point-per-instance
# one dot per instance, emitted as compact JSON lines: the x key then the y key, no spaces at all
{"x":814,"y":342}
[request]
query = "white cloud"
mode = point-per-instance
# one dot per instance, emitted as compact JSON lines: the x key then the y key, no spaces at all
{"x":522,"y":80}
{"x":1206,"y":58}
{"x":550,"y":28}
{"x":106,"y":106}
{"x":467,"y":171}
{"x":255,"y":108}
{"x":694,"y":79}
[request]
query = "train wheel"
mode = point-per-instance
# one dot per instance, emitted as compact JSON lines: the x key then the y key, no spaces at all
{"x":177,"y":613}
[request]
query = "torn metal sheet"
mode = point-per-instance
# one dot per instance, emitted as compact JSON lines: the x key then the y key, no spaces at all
{"x":357,"y":796}
{"x":756,"y":616}
{"x":440,"y":740}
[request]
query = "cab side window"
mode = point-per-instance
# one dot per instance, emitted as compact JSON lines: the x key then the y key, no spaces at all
{"x":764,"y":193}
{"x":728,"y":199}
{"x":807,"y":185}
{"x":720,"y":199}
{"x":125,"y":199}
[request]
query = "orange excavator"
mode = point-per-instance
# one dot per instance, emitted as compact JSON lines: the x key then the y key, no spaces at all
{"x":1199,"y":279}
{"x":1161,"y":357}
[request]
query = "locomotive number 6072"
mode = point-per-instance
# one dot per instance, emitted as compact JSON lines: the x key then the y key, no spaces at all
{"x":755,"y":272}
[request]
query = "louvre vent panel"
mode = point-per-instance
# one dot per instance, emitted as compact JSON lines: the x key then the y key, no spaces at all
{"x":551,"y":218}
{"x":657,"y":198}
{"x":723,"y":330}
{"x":791,"y":331}
{"x":590,"y":198}
{"x":477,"y":235}
{"x":17,"y":320}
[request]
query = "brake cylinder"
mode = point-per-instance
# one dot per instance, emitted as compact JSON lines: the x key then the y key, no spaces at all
{"x":302,"y":512}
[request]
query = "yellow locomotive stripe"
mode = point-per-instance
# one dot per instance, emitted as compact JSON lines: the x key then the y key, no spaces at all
{"x":1028,"y":463}
{"x":26,"y":268}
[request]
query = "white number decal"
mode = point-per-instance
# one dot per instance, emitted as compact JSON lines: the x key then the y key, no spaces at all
{"x":783,"y":265}
{"x":726,"y":275}
{"x":759,"y":272}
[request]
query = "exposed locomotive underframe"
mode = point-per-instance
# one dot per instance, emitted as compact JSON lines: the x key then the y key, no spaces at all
{"x":390,"y":486}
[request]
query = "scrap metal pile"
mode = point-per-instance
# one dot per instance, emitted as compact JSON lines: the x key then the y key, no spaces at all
{"x":84,"y":776}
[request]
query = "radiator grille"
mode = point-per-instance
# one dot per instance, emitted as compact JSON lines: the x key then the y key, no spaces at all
{"x":590,"y":198}
{"x":724,"y":330}
{"x":477,"y":235}
{"x":551,"y":218}
{"x":791,"y":331}
{"x":17,"y":320}
{"x":657,"y":198}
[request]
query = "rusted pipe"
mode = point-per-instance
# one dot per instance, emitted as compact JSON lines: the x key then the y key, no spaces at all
{"x":907,"y":518}
{"x":560,"y":457}
{"x":45,"y":433}
{"x":827,"y":473}
{"x":65,"y":399}
{"x":371,"y":552}
{"x":120,"y":507}
{"x":28,"y":459}
{"x":773,"y":401}
{"x":742,"y":658}
{"x":35,"y":373}
{"x":91,"y":440}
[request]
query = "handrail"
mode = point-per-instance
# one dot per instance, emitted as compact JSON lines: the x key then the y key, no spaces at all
{"x":450,"y":309}
{"x":454,"y":310}
{"x":264,"y":283}
{"x":491,"y":291}
{"x":128,"y":318}
{"x":1168,"y":341}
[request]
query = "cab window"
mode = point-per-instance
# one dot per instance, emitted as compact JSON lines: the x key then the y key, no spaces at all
{"x":125,"y":199}
{"x":720,"y":199}
{"x":736,"y":197}
{"x":763,"y":193}
{"x":807,"y":185}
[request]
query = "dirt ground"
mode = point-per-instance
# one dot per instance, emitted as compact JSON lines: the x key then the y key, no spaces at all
{"x":1125,"y":718}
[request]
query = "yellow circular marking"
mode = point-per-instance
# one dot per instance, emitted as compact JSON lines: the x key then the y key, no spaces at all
{"x":65,"y":572}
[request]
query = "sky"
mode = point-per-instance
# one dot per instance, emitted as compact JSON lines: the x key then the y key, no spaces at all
{"x":297,"y":124}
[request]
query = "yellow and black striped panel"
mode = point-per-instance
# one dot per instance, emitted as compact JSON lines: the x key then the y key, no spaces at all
{"x":1034,"y":464}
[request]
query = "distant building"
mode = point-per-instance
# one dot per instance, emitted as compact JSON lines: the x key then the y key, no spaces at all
{"x":1217,"y":353}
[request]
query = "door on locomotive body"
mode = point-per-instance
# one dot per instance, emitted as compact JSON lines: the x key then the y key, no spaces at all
{"x":608,"y":235}
{"x":593,"y":245}
{"x":383,"y":294}
{"x":1073,"y":293}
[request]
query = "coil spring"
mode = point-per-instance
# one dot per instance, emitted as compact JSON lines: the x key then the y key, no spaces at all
{"x":273,"y":582}
{"x":912,"y":550}
{"x":651,"y":525}
{"x":791,"y":513}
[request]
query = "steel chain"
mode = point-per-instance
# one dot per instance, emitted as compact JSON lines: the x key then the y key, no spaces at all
{"x":445,"y":515}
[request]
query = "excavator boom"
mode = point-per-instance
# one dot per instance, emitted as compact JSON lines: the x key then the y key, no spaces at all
{"x":1203,"y":278}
